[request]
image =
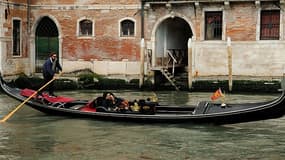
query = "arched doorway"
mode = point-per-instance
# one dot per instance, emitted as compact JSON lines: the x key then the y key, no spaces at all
{"x":172,"y":35}
{"x":46,"y":41}
{"x":171,"y":51}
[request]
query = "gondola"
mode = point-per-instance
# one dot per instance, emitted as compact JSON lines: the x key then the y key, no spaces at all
{"x":151,"y":112}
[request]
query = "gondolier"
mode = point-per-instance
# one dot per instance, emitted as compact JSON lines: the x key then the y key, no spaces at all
{"x":50,"y":67}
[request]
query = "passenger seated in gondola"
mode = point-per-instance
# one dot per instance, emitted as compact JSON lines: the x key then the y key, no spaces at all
{"x":112,"y":103}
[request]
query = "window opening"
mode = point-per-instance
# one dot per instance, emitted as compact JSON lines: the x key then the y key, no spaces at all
{"x":16,"y":37}
{"x":127,"y":28}
{"x":213,"y":25}
{"x":85,"y":28}
{"x":270,"y":24}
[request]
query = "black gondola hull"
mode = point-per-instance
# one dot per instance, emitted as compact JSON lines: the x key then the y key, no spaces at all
{"x":208,"y":113}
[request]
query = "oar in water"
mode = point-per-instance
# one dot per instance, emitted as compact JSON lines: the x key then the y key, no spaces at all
{"x":31,"y":96}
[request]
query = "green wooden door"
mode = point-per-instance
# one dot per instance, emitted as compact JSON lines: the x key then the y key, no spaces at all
{"x":46,"y":42}
{"x":44,"y":45}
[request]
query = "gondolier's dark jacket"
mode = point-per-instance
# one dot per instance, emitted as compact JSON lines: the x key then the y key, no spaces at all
{"x":49,"y":68}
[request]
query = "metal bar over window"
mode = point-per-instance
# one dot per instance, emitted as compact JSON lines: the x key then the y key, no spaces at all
{"x":270,"y":24}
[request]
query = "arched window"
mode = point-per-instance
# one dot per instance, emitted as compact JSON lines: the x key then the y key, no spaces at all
{"x":85,"y":28}
{"x":127,"y":28}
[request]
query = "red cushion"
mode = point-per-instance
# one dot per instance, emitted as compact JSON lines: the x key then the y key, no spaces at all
{"x":28,"y":92}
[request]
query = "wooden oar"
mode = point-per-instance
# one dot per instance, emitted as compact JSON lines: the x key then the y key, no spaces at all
{"x":20,"y":105}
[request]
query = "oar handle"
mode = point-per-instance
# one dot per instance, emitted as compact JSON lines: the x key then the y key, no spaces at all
{"x":31,"y":96}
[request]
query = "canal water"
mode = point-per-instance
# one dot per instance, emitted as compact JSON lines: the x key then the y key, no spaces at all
{"x":31,"y":135}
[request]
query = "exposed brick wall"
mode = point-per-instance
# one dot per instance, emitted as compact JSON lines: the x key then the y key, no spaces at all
{"x":106,"y":44}
{"x":241,"y":21}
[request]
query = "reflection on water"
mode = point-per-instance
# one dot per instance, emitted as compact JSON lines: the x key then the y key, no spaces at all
{"x":30,"y":134}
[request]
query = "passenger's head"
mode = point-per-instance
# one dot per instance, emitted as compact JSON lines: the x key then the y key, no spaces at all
{"x":108,"y":95}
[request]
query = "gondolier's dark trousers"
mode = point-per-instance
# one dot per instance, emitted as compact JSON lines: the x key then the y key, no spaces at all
{"x":50,"y":87}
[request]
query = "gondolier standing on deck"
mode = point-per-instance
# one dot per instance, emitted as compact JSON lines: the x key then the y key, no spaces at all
{"x":50,"y":67}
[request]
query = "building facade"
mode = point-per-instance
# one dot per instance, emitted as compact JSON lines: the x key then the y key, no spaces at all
{"x":206,"y":38}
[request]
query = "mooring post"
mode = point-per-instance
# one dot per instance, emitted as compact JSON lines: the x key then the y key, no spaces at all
{"x":190,"y":78}
{"x":142,"y":63}
{"x":230,"y":67}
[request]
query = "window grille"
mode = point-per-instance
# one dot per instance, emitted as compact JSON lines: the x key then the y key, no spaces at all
{"x":213,"y":25}
{"x":270,"y":24}
{"x":127,"y":28}
{"x":16,"y":37}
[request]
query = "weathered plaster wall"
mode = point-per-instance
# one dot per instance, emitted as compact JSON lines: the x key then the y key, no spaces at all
{"x":241,"y":22}
{"x":106,"y":67}
{"x":13,"y":64}
{"x":2,"y":38}
{"x":264,"y":58}
{"x":108,"y":53}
